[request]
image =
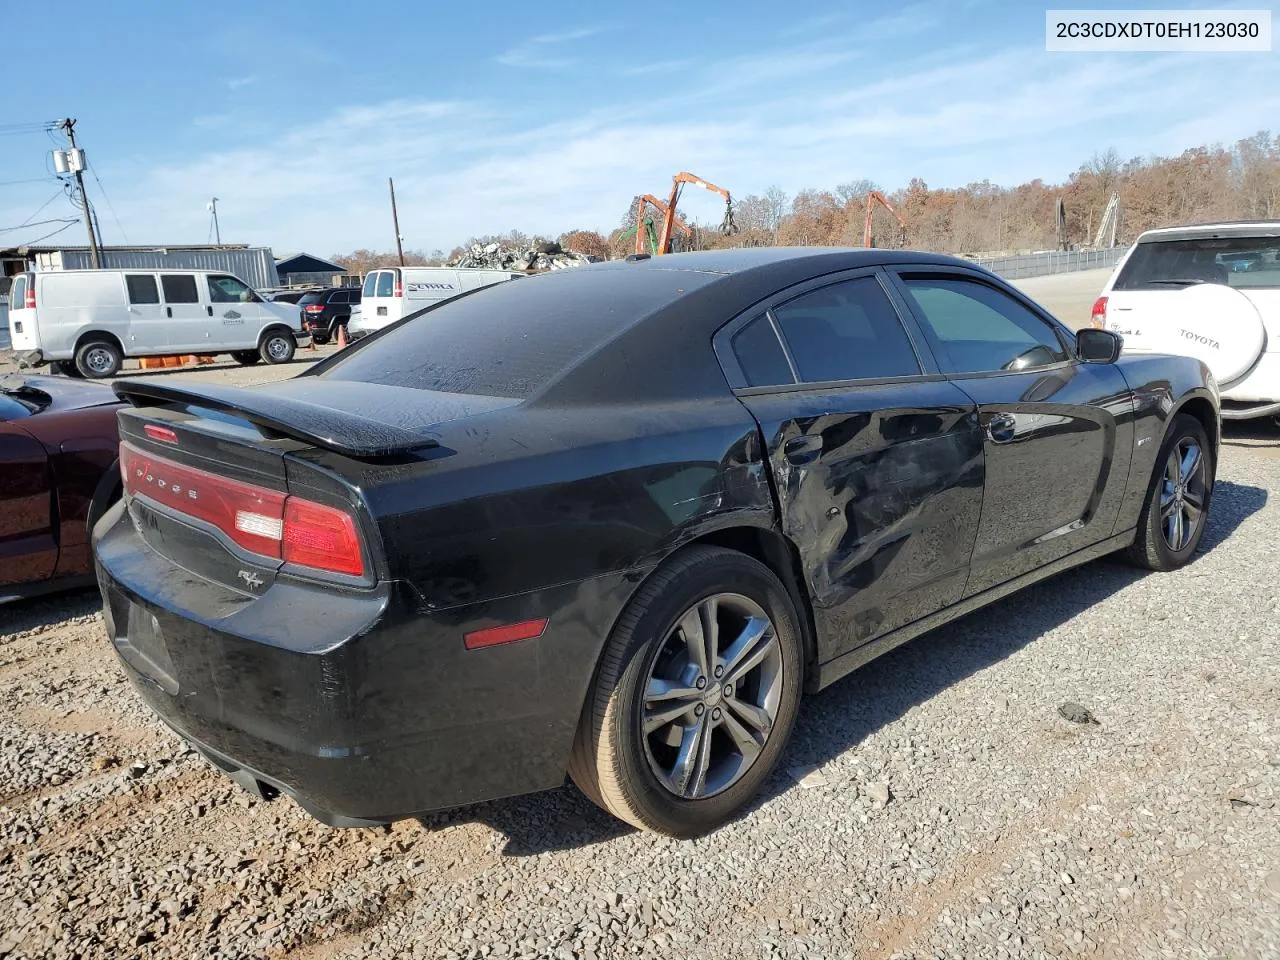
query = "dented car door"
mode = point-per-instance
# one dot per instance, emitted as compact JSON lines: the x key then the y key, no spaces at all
{"x":877,"y":460}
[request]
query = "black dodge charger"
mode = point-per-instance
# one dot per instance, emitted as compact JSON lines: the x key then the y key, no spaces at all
{"x":613,"y":522}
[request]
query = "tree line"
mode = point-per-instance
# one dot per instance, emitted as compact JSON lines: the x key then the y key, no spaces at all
{"x":1205,"y":183}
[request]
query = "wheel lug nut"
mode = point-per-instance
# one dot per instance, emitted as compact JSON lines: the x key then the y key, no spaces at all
{"x":719,"y":672}
{"x":699,"y":710}
{"x":728,"y":689}
{"x":701,"y":683}
{"x":715,"y":714}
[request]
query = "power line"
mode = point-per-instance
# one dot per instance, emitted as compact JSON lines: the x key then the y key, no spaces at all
{"x":119,"y":226}
{"x":38,"y":209}
{"x":39,"y":223}
{"x":12,"y":183}
{"x":65,"y":226}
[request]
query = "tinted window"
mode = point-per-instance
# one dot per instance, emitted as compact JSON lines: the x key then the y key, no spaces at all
{"x":510,"y":339}
{"x":847,"y":331}
{"x":340,"y":296}
{"x":312,"y":297}
{"x":760,"y":354}
{"x":179,"y":288}
{"x":18,"y":294}
{"x":1233,"y":261}
{"x":975,"y":328}
{"x":386,"y":283}
{"x":230,"y":290}
{"x":369,"y":282}
{"x":355,"y":296}
{"x":142,"y":288}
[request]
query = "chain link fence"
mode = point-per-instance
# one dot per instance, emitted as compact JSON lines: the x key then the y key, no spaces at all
{"x":1050,"y":261}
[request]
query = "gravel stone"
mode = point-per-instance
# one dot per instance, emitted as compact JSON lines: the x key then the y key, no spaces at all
{"x":1006,"y":833}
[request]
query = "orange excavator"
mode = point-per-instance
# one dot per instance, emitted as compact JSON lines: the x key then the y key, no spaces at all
{"x":874,"y":197}
{"x":644,"y":224}
{"x":727,"y":226}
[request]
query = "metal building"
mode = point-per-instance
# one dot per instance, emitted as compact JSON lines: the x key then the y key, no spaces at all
{"x":254,"y":265}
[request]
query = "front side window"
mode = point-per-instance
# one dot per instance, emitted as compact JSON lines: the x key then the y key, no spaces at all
{"x":142,"y":288}
{"x":179,"y":288}
{"x":230,"y":290}
{"x":975,"y":328}
{"x":386,"y":283}
{"x":846,"y":331}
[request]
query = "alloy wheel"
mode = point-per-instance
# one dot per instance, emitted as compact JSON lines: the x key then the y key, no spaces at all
{"x":1182,"y":494}
{"x":99,"y":360}
{"x":711,"y":696}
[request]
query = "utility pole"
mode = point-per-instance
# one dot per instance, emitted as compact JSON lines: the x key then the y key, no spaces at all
{"x":75,"y":160}
{"x":217,"y":232}
{"x":395,"y":220}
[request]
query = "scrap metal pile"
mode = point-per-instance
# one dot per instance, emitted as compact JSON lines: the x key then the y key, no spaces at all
{"x":539,"y":257}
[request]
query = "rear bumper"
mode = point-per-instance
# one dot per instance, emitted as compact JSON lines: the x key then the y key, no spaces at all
{"x":359,"y":704}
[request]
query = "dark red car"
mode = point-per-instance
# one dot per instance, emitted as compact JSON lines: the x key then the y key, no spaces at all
{"x":59,"y":472}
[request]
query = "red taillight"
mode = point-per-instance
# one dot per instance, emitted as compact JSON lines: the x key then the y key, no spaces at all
{"x":399,"y":291}
{"x":1098,"y":315}
{"x":314,"y":308}
{"x":321,"y":537}
{"x":157,"y":432}
{"x":29,"y":301}
{"x":510,"y":633}
{"x":265,"y":522}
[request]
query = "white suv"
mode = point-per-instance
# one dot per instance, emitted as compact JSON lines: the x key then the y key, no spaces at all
{"x":1211,"y":292}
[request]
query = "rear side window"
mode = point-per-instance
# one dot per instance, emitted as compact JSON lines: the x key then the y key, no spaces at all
{"x":370,"y":282}
{"x":975,"y":328}
{"x":340,"y":297}
{"x":180,"y":288}
{"x":846,"y":331}
{"x":142,"y":288}
{"x":760,"y":355}
{"x":386,"y":283}
{"x":18,"y":295}
{"x":1231,"y":261}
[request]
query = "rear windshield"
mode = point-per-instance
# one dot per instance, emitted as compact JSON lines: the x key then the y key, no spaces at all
{"x":1233,"y":261}
{"x":314,"y":297}
{"x":513,"y":338}
{"x":18,"y":294}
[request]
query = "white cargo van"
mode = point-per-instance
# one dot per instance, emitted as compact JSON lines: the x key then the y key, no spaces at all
{"x":391,"y":294}
{"x":87,"y":321}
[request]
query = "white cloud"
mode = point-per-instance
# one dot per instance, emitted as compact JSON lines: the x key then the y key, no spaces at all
{"x":546,"y":52}
{"x":235,"y":83}
{"x":814,"y":115}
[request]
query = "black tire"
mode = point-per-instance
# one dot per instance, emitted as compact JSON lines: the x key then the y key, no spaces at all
{"x":612,"y":760}
{"x":98,"y":358}
{"x":246,"y":358}
{"x":319,"y":339}
{"x":277,"y":346}
{"x":1152,"y":548}
{"x":65,"y":368}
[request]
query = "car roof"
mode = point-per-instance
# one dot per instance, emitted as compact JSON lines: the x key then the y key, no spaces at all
{"x":664,"y":350}
{"x":1202,"y":231}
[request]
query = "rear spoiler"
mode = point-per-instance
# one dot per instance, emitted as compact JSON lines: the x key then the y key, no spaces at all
{"x":395,"y":420}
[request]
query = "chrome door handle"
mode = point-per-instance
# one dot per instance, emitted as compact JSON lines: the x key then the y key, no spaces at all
{"x":1002,"y":427}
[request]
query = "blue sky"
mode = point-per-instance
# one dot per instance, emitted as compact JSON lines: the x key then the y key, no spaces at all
{"x":548,"y":116}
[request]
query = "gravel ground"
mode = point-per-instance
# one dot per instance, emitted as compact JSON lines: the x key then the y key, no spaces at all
{"x":935,"y":804}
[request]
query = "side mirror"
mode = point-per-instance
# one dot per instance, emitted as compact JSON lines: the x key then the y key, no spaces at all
{"x":1098,"y":346}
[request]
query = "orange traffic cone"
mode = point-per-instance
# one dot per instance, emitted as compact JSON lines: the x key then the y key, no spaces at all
{"x":342,"y":335}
